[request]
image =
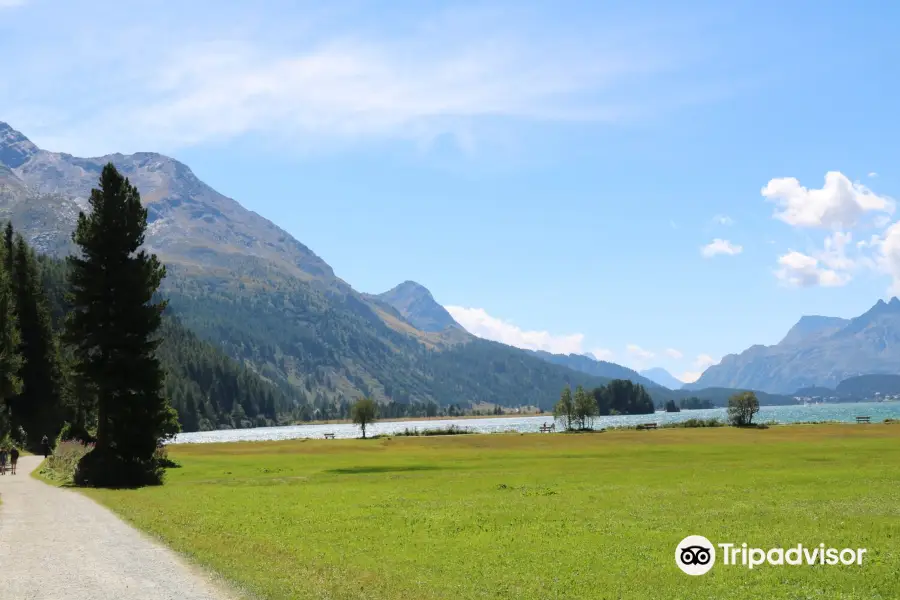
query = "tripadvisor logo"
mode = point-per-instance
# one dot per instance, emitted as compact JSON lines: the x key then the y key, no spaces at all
{"x":696,"y":555}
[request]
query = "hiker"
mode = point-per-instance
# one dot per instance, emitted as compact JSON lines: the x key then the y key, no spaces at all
{"x":13,"y":459}
{"x":3,"y":461}
{"x":45,"y":444}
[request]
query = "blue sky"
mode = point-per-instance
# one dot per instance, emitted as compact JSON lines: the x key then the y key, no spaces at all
{"x":658,"y":187}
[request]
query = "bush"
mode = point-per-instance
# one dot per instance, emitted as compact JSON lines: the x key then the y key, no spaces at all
{"x":693,"y":422}
{"x":104,"y":468}
{"x":61,"y":465}
{"x":450,"y":430}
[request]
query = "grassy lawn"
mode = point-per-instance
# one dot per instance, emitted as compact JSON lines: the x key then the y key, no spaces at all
{"x":526,"y":517}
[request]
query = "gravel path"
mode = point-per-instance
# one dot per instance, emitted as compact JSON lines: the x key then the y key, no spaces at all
{"x":56,"y":544}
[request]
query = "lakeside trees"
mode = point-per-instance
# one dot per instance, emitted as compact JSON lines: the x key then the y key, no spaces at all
{"x":618,"y":397}
{"x":741,"y":408}
{"x":363,"y":413}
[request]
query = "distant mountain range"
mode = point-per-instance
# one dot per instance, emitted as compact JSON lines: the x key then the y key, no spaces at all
{"x":663,"y":378}
{"x":598,"y":368}
{"x":817,"y":352}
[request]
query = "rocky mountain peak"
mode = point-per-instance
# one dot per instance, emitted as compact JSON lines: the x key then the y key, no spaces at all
{"x":15,"y":148}
{"x":191,"y":224}
{"x":416,"y":304}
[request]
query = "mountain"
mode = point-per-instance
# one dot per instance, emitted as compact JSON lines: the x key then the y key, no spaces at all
{"x":416,"y":304}
{"x":267,"y":301}
{"x":812,"y":327}
{"x":816,"y":352}
{"x":597,"y":368}
{"x":662,"y":377}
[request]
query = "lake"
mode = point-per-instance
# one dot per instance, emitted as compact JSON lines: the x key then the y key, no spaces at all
{"x":780,"y":414}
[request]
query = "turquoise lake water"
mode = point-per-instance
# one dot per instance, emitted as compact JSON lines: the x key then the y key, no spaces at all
{"x":846,"y":413}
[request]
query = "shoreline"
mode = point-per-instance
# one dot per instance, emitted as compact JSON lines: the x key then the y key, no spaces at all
{"x":415,"y":419}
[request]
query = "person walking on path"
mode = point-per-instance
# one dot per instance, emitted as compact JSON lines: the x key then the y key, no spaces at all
{"x":45,"y":445}
{"x":13,"y":459}
{"x":3,"y":461}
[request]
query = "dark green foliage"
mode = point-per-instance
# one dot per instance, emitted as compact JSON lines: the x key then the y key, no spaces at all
{"x":585,"y":408}
{"x":564,"y":409}
{"x":10,"y":353}
{"x":209,"y":390}
{"x":330,"y":345}
{"x":741,"y":408}
{"x":868,"y":386}
{"x":672,"y":407}
{"x":689,"y":423}
{"x":623,"y":397}
{"x":448,"y":430}
{"x":113,"y":328}
{"x":363,"y":413}
{"x":694,"y":403}
{"x":38,"y":409}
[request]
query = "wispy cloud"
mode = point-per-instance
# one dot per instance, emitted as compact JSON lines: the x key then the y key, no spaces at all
{"x":443,"y":74}
{"x":720,"y":246}
{"x":673,"y":353}
{"x":478,"y":322}
{"x":700,"y":364}
{"x":723,"y":220}
{"x":11,"y":3}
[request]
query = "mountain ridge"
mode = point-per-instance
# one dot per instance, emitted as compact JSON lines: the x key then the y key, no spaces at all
{"x":816,"y":352}
{"x":662,"y":377}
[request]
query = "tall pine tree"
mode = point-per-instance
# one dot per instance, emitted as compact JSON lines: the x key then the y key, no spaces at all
{"x":10,"y":357}
{"x":38,"y":408}
{"x":113,"y":328}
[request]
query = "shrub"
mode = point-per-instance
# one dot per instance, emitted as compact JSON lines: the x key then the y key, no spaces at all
{"x":693,"y":422}
{"x":61,"y":465}
{"x":449,"y":430}
{"x":104,"y":468}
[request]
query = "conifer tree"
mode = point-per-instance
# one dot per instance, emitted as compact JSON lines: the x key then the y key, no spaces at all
{"x":113,"y":328}
{"x":10,"y":357}
{"x":38,"y":408}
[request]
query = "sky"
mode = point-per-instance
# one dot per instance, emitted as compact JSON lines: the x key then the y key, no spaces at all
{"x":655,"y":185}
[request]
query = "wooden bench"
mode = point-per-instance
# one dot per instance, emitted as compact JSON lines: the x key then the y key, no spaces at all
{"x":329,"y":436}
{"x":647,"y":426}
{"x":863,"y":419}
{"x":548,"y":428}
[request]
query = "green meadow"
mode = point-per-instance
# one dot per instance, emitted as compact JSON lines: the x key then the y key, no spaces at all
{"x":533,"y":517}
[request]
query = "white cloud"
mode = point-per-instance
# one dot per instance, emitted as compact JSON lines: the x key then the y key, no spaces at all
{"x":11,"y":3}
{"x":690,"y":376}
{"x":873,"y":174}
{"x":801,"y":270}
{"x":437,"y":74}
{"x":639,"y":353}
{"x":720,"y":246}
{"x":723,"y":220}
{"x":704,"y":360}
{"x":673,"y":353}
{"x":478,"y":322}
{"x":839,"y":204}
{"x":700,"y":364}
{"x":888,"y":255}
{"x":603,"y":354}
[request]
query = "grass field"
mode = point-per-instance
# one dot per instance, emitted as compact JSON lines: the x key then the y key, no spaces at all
{"x":524,"y":517}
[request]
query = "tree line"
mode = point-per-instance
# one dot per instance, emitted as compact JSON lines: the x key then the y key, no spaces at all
{"x":618,"y":397}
